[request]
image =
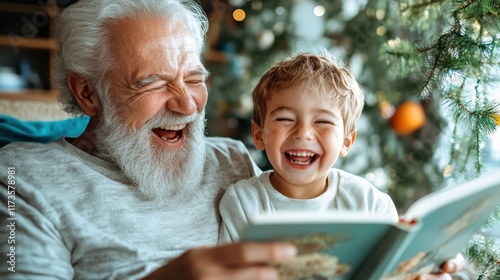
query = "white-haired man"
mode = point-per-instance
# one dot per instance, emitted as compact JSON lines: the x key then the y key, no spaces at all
{"x":136,"y":195}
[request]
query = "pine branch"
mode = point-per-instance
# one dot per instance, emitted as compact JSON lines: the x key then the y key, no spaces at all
{"x":478,"y":9}
{"x":466,"y":5}
{"x":402,"y":57}
{"x":482,"y":118}
{"x":427,"y":88}
{"x":423,"y":15}
{"x":486,"y":254}
{"x":457,"y":66}
{"x":420,"y":6}
{"x":493,"y":219}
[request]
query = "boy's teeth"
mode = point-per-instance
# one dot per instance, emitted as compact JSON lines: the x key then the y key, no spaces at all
{"x":301,"y":154}
{"x":301,"y":162}
{"x":173,"y":127}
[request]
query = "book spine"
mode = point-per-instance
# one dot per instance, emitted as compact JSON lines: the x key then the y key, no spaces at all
{"x":381,"y":261}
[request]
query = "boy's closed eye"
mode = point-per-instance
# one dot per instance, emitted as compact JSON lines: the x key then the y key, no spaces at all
{"x":325,"y":122}
{"x":284,"y":119}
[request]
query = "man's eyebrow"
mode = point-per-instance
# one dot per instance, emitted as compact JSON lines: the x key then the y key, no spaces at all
{"x":153,"y":78}
{"x":199,"y":71}
{"x":148,"y":80}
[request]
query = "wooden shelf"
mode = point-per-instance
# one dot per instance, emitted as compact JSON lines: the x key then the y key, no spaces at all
{"x":30,"y":94}
{"x":50,"y":9}
{"x":33,"y":43}
{"x":215,"y":56}
{"x":15,"y":42}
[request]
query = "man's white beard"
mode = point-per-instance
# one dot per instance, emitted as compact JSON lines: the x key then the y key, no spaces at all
{"x":156,"y":172}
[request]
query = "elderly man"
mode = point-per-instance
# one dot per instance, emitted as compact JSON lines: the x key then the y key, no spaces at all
{"x":136,"y":194}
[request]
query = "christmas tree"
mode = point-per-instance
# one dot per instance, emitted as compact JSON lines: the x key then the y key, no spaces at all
{"x":455,"y":63}
{"x":428,"y":69}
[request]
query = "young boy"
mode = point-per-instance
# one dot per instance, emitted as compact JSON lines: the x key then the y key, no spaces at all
{"x":305,"y":114}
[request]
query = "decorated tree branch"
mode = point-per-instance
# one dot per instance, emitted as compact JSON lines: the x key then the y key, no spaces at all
{"x":456,"y":64}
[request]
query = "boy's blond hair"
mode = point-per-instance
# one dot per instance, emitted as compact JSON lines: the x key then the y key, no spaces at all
{"x":319,"y":74}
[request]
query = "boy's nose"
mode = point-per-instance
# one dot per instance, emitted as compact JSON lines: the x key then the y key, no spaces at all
{"x":303,"y":132}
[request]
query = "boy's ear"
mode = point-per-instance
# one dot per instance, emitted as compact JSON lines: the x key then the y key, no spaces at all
{"x":348,"y":142}
{"x":84,"y":94}
{"x":257,"y":136}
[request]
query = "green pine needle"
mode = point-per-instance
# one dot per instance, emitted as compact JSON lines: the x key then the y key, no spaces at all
{"x":457,"y":67}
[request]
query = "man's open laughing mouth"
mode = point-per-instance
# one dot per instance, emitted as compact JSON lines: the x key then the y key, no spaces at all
{"x":170,"y":133}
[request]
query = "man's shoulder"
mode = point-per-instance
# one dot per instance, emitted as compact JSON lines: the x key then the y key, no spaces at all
{"x":229,"y":157}
{"x":19,"y":146}
{"x":28,"y":151}
{"x":227,"y":148}
{"x":225,"y":144}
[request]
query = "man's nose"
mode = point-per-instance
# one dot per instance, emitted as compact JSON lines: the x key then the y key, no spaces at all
{"x":181,"y":100}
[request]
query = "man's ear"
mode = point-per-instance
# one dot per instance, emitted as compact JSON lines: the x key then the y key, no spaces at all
{"x":348,"y":142}
{"x":257,"y":136}
{"x":85,"y":95}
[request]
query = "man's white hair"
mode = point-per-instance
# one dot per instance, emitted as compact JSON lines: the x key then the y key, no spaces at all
{"x":83,"y":44}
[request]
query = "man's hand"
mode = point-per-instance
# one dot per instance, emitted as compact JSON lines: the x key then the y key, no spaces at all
{"x":232,"y":261}
{"x":449,"y":267}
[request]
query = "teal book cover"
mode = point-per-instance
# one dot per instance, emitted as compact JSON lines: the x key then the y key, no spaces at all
{"x":447,"y":219}
{"x":331,"y":245}
{"x":352,"y":245}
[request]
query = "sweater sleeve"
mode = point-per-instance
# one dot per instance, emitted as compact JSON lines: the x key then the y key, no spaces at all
{"x":33,"y":240}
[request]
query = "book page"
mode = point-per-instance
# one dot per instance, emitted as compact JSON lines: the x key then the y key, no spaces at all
{"x":448,"y":219}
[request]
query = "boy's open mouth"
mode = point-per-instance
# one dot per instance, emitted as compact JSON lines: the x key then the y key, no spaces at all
{"x":301,"y":157}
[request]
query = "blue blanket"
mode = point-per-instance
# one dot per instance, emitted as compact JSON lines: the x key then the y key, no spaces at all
{"x":15,"y":130}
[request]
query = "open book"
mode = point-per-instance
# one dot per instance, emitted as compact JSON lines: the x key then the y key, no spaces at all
{"x":350,"y":245}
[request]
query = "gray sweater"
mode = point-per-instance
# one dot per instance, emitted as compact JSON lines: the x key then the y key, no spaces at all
{"x":77,"y":217}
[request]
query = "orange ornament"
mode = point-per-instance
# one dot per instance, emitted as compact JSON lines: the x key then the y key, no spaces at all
{"x":496,"y":117}
{"x":409,"y":117}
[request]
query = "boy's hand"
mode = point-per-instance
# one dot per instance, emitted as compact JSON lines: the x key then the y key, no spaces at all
{"x":449,"y":267}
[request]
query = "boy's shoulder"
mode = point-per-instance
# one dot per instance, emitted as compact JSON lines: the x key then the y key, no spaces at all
{"x":344,"y":177}
{"x":353,"y":184}
{"x":254,"y":182}
{"x":254,"y":186}
{"x":250,"y":193}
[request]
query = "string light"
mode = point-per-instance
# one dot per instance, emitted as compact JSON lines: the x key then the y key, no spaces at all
{"x":447,"y":171}
{"x":380,"y":14}
{"x":476,"y":25}
{"x":387,"y":109}
{"x":381,"y":30}
{"x":393,"y":43}
{"x":319,"y":11}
